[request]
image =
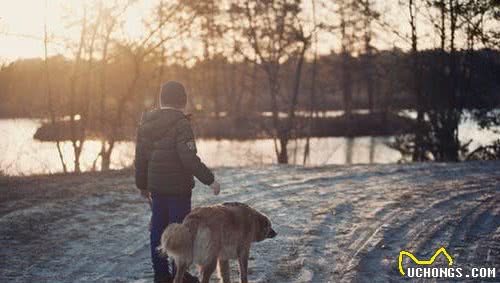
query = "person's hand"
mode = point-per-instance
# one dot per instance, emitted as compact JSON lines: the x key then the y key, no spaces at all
{"x":215,"y":186}
{"x":146,"y":194}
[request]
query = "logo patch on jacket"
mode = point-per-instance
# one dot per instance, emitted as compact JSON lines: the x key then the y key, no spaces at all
{"x":191,"y":145}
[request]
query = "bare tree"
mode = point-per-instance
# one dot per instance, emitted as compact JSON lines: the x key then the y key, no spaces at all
{"x":419,"y":150}
{"x":446,"y":114}
{"x":77,"y":138}
{"x":346,"y":13}
{"x":312,"y":91}
{"x":369,"y":15}
{"x":137,"y":52}
{"x":81,"y":79}
{"x":273,"y":34}
{"x":111,"y":20}
{"x":48,"y":90}
{"x":211,"y":24}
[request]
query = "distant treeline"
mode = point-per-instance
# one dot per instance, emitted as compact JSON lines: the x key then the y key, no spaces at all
{"x":225,"y":88}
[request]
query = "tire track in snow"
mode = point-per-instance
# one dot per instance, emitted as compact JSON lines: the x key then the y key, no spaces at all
{"x":423,"y":230}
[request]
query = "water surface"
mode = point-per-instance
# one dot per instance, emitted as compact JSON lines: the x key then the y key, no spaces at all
{"x":20,"y":154}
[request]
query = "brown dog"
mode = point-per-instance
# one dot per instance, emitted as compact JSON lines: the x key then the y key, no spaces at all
{"x":215,"y":234}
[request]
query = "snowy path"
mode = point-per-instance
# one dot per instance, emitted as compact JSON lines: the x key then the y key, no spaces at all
{"x":335,"y":223}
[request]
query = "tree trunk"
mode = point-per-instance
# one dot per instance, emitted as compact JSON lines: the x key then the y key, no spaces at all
{"x":106,"y":160}
{"x":419,"y":150}
{"x":346,"y":73}
{"x":369,"y":71}
{"x":49,"y":96}
{"x":346,"y":85}
{"x":283,"y":153}
{"x":312,"y":92}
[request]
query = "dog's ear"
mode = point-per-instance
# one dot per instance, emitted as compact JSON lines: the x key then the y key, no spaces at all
{"x":272,"y":233}
{"x":262,"y":227}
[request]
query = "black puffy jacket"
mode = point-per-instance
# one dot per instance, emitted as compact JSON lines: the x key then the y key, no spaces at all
{"x":165,"y":155}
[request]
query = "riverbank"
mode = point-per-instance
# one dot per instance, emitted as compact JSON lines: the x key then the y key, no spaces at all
{"x":335,"y":223}
{"x":256,"y":127}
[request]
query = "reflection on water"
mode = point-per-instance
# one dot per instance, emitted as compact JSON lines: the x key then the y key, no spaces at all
{"x":20,"y":154}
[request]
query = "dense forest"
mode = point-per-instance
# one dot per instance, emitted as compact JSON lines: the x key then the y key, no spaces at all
{"x":239,"y":90}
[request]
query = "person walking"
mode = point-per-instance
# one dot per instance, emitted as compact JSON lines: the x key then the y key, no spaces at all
{"x":165,"y":162}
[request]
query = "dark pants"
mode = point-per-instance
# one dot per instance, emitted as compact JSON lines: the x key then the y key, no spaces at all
{"x":166,"y":210}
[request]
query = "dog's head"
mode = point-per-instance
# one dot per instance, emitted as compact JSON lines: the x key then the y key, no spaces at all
{"x":263,"y":229}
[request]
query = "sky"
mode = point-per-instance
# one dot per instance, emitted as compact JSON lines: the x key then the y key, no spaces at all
{"x":22,"y":26}
{"x":23,"y":18}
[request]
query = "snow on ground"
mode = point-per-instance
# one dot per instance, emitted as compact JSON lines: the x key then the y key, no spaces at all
{"x":335,"y":223}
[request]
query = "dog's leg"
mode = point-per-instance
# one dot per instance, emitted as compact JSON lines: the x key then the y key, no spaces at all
{"x":181,"y":269}
{"x":243,"y":261}
{"x":207,"y":270}
{"x":224,"y":271}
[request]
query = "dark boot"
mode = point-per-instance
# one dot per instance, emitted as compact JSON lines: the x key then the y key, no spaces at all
{"x":188,"y":278}
{"x":163,"y":279}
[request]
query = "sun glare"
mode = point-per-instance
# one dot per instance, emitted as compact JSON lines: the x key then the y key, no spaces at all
{"x":22,"y":25}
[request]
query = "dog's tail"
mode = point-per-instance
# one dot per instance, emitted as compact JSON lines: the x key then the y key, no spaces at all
{"x":177,"y":241}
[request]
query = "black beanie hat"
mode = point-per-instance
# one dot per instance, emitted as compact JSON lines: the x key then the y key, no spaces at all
{"x":173,"y":93}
